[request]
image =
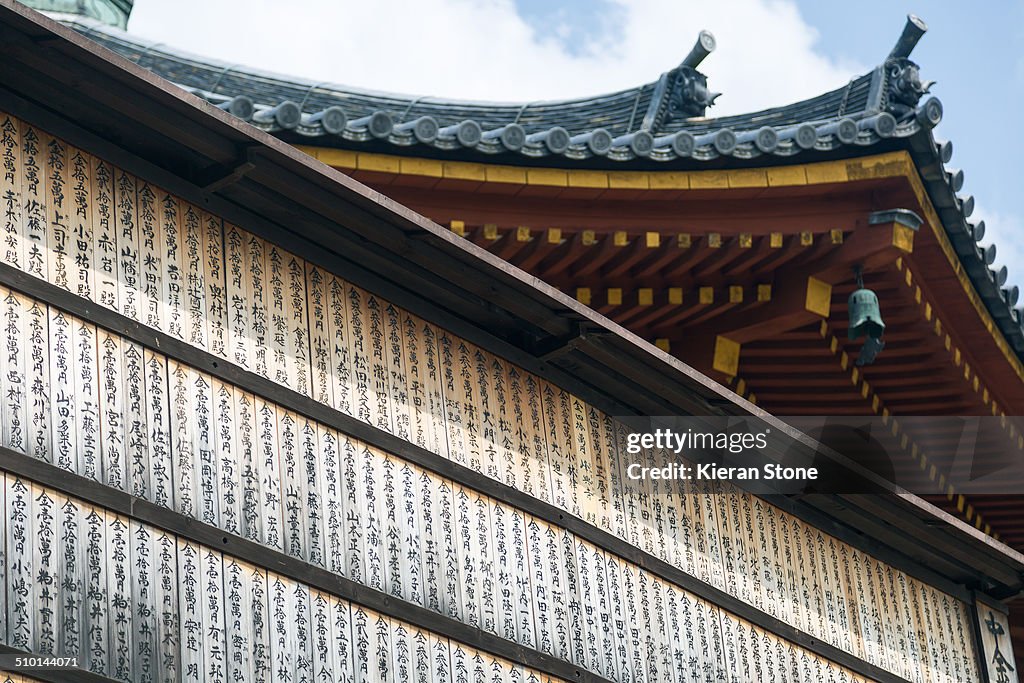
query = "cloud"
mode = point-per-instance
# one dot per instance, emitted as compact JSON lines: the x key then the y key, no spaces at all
{"x":486,"y":49}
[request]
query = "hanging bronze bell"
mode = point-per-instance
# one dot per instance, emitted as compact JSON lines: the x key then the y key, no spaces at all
{"x":865,"y":316}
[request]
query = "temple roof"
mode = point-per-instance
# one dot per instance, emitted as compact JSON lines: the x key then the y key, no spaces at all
{"x":662,"y":120}
{"x":658,"y":125}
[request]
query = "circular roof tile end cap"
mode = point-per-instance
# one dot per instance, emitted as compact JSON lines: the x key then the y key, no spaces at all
{"x":956,"y":179}
{"x":988,"y":254}
{"x":725,"y":141}
{"x":642,"y":143}
{"x":600,"y":142}
{"x":945,"y":150}
{"x":885,"y":125}
{"x":240,"y":106}
{"x":380,"y":124}
{"x":333,"y":120}
{"x":707,"y":40}
{"x":513,"y":137}
{"x":468,"y":133}
{"x":1001,"y":275}
{"x":766,"y":140}
{"x":806,"y":136}
{"x":978,"y":231}
{"x":846,"y":131}
{"x":287,"y":115}
{"x":929,"y":114}
{"x":967,"y":206}
{"x":683,"y":143}
{"x":1012,"y":295}
{"x":425,"y":129}
{"x":557,"y":140}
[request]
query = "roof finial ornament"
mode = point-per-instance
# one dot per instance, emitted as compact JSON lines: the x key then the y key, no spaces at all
{"x":903,"y":77}
{"x":688,"y":94}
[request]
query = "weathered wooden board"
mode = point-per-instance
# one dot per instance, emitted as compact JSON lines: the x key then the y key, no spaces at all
{"x":104,"y":407}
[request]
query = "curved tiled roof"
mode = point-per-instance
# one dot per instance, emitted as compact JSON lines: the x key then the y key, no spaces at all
{"x":633,"y":125}
{"x":620,"y":126}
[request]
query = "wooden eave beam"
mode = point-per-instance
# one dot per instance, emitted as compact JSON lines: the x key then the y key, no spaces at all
{"x":800,"y":297}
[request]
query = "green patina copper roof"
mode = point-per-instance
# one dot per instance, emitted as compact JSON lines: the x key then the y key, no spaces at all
{"x":113,"y":12}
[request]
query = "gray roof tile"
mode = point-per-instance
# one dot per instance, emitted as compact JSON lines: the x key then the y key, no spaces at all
{"x":607,"y":129}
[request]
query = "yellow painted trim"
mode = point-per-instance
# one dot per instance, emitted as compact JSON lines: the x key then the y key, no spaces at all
{"x":424,"y":167}
{"x":615,"y":296}
{"x":709,"y":180}
{"x":458,"y":227}
{"x":645,"y":296}
{"x":764,"y":292}
{"x":653,"y":240}
{"x":675,"y":295}
{"x":670,"y":180}
{"x":629,"y":180}
{"x":506,"y":174}
{"x":378,"y":162}
{"x":827,"y":172}
{"x":748,"y":177}
{"x":706,"y":295}
{"x":583,"y":295}
{"x":460,"y":171}
{"x":663,"y":344}
{"x":547,"y":176}
{"x":781,"y":176}
{"x":727,"y":356}
{"x":903,"y":238}
{"x":889,"y":164}
{"x":590,"y":179}
{"x":819,"y":297}
{"x":490,"y":231}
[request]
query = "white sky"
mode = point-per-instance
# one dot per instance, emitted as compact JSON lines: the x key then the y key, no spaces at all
{"x":484,"y":49}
